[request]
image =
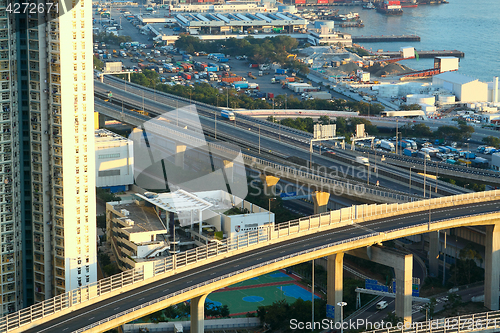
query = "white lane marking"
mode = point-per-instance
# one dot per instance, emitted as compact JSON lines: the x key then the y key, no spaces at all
{"x":91,"y":318}
{"x":166,"y":290}
{"x":116,"y":308}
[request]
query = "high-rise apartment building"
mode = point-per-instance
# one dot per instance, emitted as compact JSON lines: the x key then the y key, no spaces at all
{"x":47,"y":173}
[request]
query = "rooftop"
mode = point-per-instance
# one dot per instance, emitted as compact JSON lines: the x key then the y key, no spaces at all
{"x":455,"y":77}
{"x":144,"y":218}
{"x":178,"y":201}
{"x":103,"y":135}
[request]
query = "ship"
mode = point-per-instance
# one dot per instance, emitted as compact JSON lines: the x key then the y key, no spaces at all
{"x":408,"y":3}
{"x":369,"y":6}
{"x":390,"y":7}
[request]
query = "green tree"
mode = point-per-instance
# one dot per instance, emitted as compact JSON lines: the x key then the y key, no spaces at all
{"x":393,"y":319}
{"x":492,"y":141}
{"x":405,"y":107}
{"x":454,"y":301}
{"x":101,"y":222}
{"x":429,"y":308}
{"x":98,"y":63}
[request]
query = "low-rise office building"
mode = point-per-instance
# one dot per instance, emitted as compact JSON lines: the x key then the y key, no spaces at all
{"x":153,"y":226}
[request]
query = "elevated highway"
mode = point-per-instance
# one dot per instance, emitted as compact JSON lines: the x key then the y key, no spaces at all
{"x":311,"y":180}
{"x":193,"y":274}
{"x":144,"y":96}
{"x":274,"y":138}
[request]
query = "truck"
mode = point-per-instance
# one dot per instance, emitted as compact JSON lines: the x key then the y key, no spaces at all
{"x":421,"y":154}
{"x":431,"y":151}
{"x":404,"y":144}
{"x":280,"y":71}
{"x":229,"y":115}
{"x":223,"y":60}
{"x":443,"y":150}
{"x":240,"y":84}
{"x":215,"y":56}
{"x":270,"y":95}
{"x":467,"y":155}
{"x":408,"y":152}
{"x":367,"y":98}
{"x":232,"y":79}
{"x":480,"y":162}
{"x":186,"y":76}
{"x":211,"y":69}
{"x":318,"y":95}
{"x":253,"y":86}
{"x":363,"y":160}
{"x":413,"y":144}
{"x":387,"y":145}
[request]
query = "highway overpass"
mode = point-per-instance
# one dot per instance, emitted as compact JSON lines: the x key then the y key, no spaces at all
{"x":315,"y":181}
{"x":145,"y":96}
{"x":193,"y":274}
{"x":276,"y":140}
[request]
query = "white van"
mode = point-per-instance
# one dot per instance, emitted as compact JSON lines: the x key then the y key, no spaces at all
{"x":381,"y":305}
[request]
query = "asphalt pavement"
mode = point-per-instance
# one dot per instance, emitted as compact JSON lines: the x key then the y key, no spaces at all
{"x":111,"y":306}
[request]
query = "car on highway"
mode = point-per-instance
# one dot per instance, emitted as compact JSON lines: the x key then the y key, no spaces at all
{"x":381,"y":305}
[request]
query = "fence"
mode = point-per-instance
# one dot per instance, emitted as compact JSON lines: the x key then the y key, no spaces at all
{"x":286,"y":231}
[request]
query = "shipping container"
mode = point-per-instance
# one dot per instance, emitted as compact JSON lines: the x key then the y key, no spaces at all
{"x":270,"y":95}
{"x":232,"y":79}
{"x":299,"y":2}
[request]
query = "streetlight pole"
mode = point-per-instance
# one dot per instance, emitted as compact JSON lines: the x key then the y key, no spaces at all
{"x":215,"y":117}
{"x":341,"y":304}
{"x":409,"y":185}
{"x":259,"y":138}
{"x":425,"y":176}
{"x":270,"y":209}
{"x":312,"y":296}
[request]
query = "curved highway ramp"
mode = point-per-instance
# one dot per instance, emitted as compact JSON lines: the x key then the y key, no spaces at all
{"x":132,"y":294}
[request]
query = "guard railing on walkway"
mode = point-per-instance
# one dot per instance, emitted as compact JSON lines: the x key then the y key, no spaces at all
{"x":255,"y":239}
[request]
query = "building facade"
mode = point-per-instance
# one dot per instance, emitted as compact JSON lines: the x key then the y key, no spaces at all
{"x":114,"y":161}
{"x":47,"y":224}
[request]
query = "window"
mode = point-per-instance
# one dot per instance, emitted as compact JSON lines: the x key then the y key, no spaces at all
{"x":108,"y":173}
{"x":78,"y":220}
{"x":75,"y":57}
{"x":105,"y":156}
{"x":78,"y":228}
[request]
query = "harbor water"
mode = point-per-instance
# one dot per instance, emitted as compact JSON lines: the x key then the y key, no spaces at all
{"x":472,"y":27}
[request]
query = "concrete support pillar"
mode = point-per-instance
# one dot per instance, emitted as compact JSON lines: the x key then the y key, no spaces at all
{"x":404,"y":281}
{"x":434,"y":253}
{"x":269,"y":183}
{"x":229,"y":170}
{"x":320,"y":201}
{"x":492,"y":267}
{"x":335,"y":275}
{"x":402,"y":262}
{"x":179,"y":155}
{"x":198,"y":314}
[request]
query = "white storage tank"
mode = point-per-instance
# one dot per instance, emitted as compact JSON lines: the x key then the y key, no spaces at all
{"x":420,"y":99}
{"x":388,"y":90}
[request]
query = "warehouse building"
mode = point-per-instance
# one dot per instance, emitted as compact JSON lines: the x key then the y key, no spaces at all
{"x":465,"y":88}
{"x":220,"y":23}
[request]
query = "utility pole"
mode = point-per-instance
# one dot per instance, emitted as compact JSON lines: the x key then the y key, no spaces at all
{"x":259,"y":138}
{"x":397,"y":135}
{"x":215,"y":117}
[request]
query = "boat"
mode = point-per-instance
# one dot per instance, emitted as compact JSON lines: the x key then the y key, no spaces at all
{"x":390,"y":7}
{"x":369,"y":6}
{"x":346,"y":17}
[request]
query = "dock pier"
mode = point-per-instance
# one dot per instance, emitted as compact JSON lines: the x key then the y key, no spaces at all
{"x":426,"y":54}
{"x":393,"y":38}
